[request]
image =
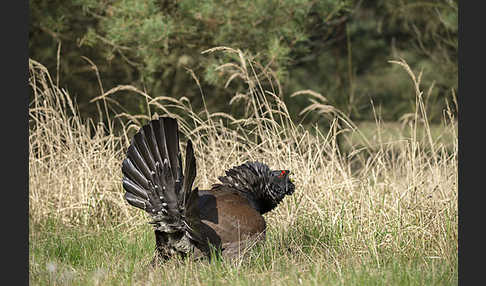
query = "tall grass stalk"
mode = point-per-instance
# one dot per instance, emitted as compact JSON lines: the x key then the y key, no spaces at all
{"x":396,"y":210}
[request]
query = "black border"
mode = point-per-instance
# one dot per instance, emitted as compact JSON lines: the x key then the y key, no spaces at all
{"x":470,"y":91}
{"x":14,"y":137}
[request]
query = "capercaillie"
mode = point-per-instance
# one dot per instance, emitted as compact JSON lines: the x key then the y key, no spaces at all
{"x":188,"y":221}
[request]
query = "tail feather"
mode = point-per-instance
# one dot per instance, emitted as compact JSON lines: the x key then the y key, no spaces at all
{"x":132,"y":187}
{"x":190,"y":203}
{"x":136,"y":201}
{"x":134,"y":174}
{"x":153,"y":178}
{"x":173,"y":152}
{"x":140,"y":143}
{"x":149,"y":134}
{"x":190,"y":172}
{"x":137,"y":160}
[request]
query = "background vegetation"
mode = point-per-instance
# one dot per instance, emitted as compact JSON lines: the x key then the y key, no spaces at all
{"x":317,"y":87}
{"x":338,"y":48}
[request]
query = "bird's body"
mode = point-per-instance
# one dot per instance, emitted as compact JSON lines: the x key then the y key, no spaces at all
{"x":187,"y":221}
{"x":232,"y":218}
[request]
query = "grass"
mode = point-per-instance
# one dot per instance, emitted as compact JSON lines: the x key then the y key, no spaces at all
{"x":307,"y":254}
{"x":396,"y":131}
{"x":381,"y":212}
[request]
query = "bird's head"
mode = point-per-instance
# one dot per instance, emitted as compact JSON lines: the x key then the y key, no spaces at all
{"x":263,"y":187}
{"x":280,"y":184}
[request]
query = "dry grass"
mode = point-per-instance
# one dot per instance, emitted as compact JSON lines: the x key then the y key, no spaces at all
{"x":400,"y":201}
{"x":74,"y":164}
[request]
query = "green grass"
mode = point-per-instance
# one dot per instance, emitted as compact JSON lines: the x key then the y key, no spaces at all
{"x":309,"y":253}
{"x":391,"y":132}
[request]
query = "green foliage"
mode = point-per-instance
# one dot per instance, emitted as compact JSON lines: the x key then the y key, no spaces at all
{"x":339,"y":48}
{"x":352,"y":70}
{"x":154,"y":41}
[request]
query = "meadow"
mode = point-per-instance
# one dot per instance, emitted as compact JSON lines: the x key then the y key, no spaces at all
{"x":376,"y":207}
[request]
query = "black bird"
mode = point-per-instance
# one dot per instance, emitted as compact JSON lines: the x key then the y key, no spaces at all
{"x":228,"y":217}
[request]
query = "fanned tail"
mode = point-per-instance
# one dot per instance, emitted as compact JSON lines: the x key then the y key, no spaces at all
{"x":153,"y":178}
